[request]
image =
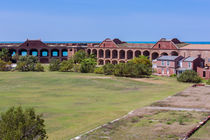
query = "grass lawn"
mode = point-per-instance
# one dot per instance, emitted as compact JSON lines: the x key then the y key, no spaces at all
{"x":73,"y":103}
{"x":203,"y":133}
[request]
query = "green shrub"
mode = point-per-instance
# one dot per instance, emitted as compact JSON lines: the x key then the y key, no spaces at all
{"x":76,"y":68}
{"x":173,"y":75}
{"x":19,"y":124}
{"x":208,"y":82}
{"x":108,"y":69}
{"x":131,"y":69}
{"x":27,"y":63}
{"x":189,"y":76}
{"x":39,"y":67}
{"x":88,"y":65}
{"x":119,"y":69}
{"x":54,"y":65}
{"x":5,"y":55}
{"x":79,"y":56}
{"x":66,"y":66}
{"x":3,"y":65}
{"x":99,"y":70}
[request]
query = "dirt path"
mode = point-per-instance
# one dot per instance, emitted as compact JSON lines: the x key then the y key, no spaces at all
{"x":178,"y":109}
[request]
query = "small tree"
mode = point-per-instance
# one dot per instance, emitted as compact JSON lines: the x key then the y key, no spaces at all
{"x":108,"y":69}
{"x":5,"y":55}
{"x":27,"y":63}
{"x":189,"y":76}
{"x":79,"y":56}
{"x":54,"y":65}
{"x":66,"y":66}
{"x":17,"y":124}
{"x":142,"y":60}
{"x":88,"y":65}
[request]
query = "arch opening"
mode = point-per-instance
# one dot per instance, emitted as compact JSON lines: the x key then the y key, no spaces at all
{"x":34,"y":52}
{"x":107,"y":54}
{"x":23,"y":52}
{"x":94,"y":52}
{"x":146,"y":53}
{"x":55,"y":53}
{"x":130,"y":54}
{"x":64,"y":52}
{"x":44,"y":53}
{"x":114,"y":62}
{"x":101,"y":62}
{"x":114,"y":54}
{"x":164,"y":54}
{"x":101,"y":53}
{"x":122,"y":54}
{"x":107,"y":62}
{"x":174,"y":53}
{"x":155,"y":55}
{"x":137,"y":53}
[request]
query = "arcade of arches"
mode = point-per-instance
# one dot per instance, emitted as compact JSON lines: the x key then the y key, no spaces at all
{"x":43,"y":54}
{"x":116,"y":56}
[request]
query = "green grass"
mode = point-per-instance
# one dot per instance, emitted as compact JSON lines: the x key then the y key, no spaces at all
{"x":202,"y":133}
{"x":73,"y":103}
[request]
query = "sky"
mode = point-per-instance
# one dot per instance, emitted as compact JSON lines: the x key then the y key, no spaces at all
{"x":95,"y":20}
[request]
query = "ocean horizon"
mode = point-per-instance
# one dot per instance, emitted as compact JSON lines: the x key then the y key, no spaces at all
{"x":152,"y":42}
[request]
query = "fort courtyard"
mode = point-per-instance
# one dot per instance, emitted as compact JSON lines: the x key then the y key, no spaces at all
{"x":73,"y":103}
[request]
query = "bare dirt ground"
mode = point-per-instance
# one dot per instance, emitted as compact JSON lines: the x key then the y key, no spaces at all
{"x":148,"y":80}
{"x":193,"y":97}
{"x":169,"y":119}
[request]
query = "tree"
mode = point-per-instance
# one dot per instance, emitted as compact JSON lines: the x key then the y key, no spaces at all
{"x":19,"y":124}
{"x":189,"y":76}
{"x":54,"y":65}
{"x":79,"y":56}
{"x":5,"y":55}
{"x":66,"y":66}
{"x":88,"y":65}
{"x":27,"y":63}
{"x":142,"y":60}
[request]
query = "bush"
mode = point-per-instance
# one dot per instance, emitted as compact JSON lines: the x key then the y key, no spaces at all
{"x":99,"y":70}
{"x":208,"y":82}
{"x":173,"y":75}
{"x":39,"y":67}
{"x":66,"y":66}
{"x":108,"y":69}
{"x":131,"y":69}
{"x":54,"y":65}
{"x":88,"y":65}
{"x":17,"y":124}
{"x":4,"y":66}
{"x":4,"y":55}
{"x":189,"y":76}
{"x":27,"y":63}
{"x":79,"y":56}
{"x":119,"y":69}
{"x":76,"y":68}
